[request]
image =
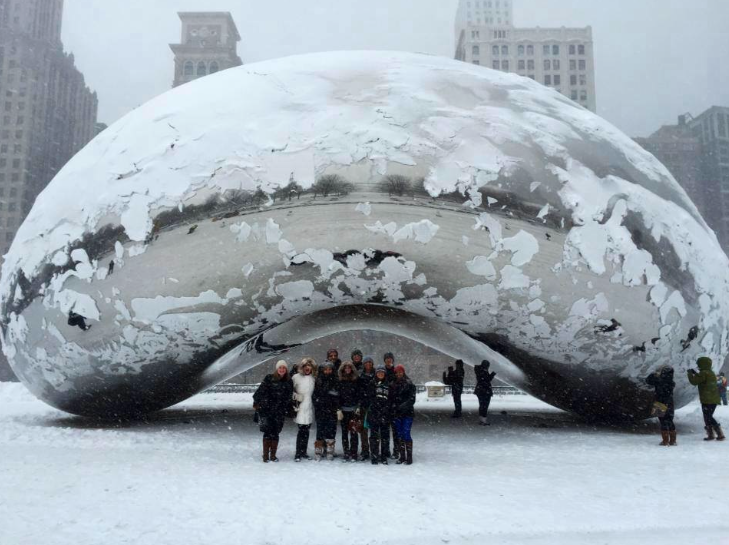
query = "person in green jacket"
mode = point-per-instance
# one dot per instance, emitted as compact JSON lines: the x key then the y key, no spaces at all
{"x":705,"y":379}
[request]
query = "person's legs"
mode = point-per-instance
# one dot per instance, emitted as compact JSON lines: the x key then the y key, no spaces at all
{"x":345,"y":433}
{"x":406,"y":437}
{"x":302,"y":440}
{"x":277,"y":426}
{"x":385,"y":438}
{"x":375,"y":442}
{"x":723,"y":397}
{"x":709,"y":421}
{"x":320,"y":441}
{"x":457,"y":402}
{"x":330,"y":435}
{"x":391,"y":430}
{"x":483,"y":408}
{"x":365,"y":443}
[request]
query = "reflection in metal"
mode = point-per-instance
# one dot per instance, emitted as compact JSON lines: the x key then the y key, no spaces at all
{"x":270,"y":205}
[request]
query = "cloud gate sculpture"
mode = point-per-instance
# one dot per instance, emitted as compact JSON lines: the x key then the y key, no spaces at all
{"x":267,"y":206}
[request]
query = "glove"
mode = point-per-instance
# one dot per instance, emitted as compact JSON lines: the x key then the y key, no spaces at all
{"x":256,"y":407}
{"x":340,"y":415}
{"x":357,"y":411}
{"x":299,"y":397}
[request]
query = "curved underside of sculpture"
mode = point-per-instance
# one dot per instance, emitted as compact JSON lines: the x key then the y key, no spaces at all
{"x":273,"y":204}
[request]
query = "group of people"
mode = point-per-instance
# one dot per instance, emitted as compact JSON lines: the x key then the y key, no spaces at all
{"x":484,"y":391}
{"x":710,"y":396}
{"x":370,"y":403}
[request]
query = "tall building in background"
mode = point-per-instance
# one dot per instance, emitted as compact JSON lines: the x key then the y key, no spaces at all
{"x":561,"y":58}
{"x":209,"y":44}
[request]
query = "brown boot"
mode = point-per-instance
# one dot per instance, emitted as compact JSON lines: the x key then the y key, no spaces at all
{"x":672,"y":438}
{"x":719,"y":433}
{"x":274,"y":448}
{"x":664,"y":435}
{"x":266,"y":449}
{"x":709,"y":434}
{"x":401,"y":456}
{"x":330,"y":449}
{"x":409,"y":453}
{"x":318,"y":450}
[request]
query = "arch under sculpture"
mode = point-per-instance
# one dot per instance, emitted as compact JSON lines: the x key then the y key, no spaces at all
{"x":471,"y":210}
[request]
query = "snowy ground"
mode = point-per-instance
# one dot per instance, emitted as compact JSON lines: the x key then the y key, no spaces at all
{"x":192,"y":475}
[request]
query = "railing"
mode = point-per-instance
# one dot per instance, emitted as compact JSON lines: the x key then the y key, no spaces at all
{"x":229,"y":388}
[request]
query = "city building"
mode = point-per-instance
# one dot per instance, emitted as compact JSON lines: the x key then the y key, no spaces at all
{"x":209,"y":44}
{"x":561,"y":58}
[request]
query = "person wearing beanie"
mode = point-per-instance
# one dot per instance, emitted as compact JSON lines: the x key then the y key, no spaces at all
{"x":349,"y":396}
{"x":379,"y":416}
{"x":721,"y":383}
{"x":403,"y":402}
{"x":272,"y":402}
{"x":454,"y":379}
{"x":333,"y":358}
{"x":389,"y":359}
{"x":484,"y":391}
{"x":304,"y":381}
{"x":705,"y":379}
{"x":364,"y":382}
{"x":662,"y":381}
{"x":326,"y":409}
{"x":357,"y":359}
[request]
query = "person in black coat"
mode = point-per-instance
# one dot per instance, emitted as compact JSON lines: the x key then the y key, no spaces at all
{"x":326,"y":408}
{"x":484,"y":391}
{"x":403,"y":407}
{"x":662,"y":381}
{"x":273,"y":401}
{"x":365,"y":380}
{"x":454,"y":379}
{"x":379,"y":416}
{"x":349,"y":396}
{"x":389,"y":359}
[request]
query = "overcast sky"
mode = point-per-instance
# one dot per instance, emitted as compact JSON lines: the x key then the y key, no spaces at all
{"x":655,"y":58}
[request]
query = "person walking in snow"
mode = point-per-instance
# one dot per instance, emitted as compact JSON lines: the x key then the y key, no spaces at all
{"x":454,"y":379}
{"x":721,"y":383}
{"x":662,"y":381}
{"x":484,"y":390}
{"x":357,"y":359}
{"x":389,"y":359}
{"x":303,"y":382}
{"x":349,"y":396}
{"x":379,"y":416}
{"x":326,"y":411}
{"x":365,"y":380}
{"x":403,"y":408}
{"x":705,"y":379}
{"x":272,"y":401}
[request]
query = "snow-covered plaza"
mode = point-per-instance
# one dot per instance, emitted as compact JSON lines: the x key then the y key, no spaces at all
{"x":192,"y":474}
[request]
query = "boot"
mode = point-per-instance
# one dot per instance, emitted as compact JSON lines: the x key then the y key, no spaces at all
{"x":483,"y":421}
{"x":401,"y":453}
{"x":395,"y":449}
{"x":719,"y":433}
{"x":409,"y":453}
{"x":672,"y":438}
{"x":318,"y":450}
{"x":709,"y":434}
{"x":274,"y":448}
{"x":266,"y":449}
{"x":330,"y":449}
{"x":664,"y":435}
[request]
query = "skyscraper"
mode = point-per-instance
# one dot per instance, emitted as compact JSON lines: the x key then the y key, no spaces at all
{"x":561,"y":58}
{"x":47,"y":113}
{"x":209,"y":44}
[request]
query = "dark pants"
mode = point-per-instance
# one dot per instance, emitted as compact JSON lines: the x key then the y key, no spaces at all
{"x":273,"y":427}
{"x":302,"y":440}
{"x":326,"y":429}
{"x":380,"y":440}
{"x":390,"y":429}
{"x":457,"y":392}
{"x":667,"y":420}
{"x":723,"y":397}
{"x":483,"y":405}
{"x":709,"y":419}
{"x":350,"y":439}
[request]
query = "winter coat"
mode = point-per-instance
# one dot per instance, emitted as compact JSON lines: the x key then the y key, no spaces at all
{"x":326,"y":397}
{"x":483,"y":381}
{"x":705,"y":379}
{"x":403,"y":398}
{"x":365,"y":381}
{"x":273,"y":397}
{"x":390,"y":374}
{"x":304,"y":393}
{"x":721,"y":383}
{"x":454,"y":379}
{"x":664,"y":385}
{"x":380,"y":405}
{"x":349,"y":392}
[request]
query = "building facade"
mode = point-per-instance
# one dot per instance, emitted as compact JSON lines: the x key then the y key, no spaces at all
{"x":561,"y":58}
{"x":209,"y":44}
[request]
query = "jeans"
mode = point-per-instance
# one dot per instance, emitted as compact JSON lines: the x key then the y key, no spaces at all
{"x":723,"y":397}
{"x":404,"y":425}
{"x":708,"y":411}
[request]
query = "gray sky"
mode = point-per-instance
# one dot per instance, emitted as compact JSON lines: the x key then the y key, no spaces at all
{"x":655,"y":58}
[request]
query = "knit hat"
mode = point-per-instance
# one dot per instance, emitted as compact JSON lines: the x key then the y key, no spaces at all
{"x":282,"y":363}
{"x":327,"y":364}
{"x":400,"y":368}
{"x":389,"y":355}
{"x":368,"y":359}
{"x":381,"y":368}
{"x":356,"y":352}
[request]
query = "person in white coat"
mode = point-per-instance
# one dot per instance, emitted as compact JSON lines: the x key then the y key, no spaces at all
{"x":304,"y":382}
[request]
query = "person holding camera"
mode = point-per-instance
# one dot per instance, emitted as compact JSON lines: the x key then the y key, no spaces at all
{"x":662,"y":381}
{"x":454,"y":379}
{"x":272,"y":401}
{"x":705,"y":379}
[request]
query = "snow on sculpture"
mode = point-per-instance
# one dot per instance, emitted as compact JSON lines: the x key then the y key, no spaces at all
{"x":242,"y":214}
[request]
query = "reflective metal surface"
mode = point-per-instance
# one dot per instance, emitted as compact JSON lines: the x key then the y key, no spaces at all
{"x":277,"y":203}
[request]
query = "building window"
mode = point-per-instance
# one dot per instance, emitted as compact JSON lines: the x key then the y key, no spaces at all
{"x":522,"y":65}
{"x":573,"y":64}
{"x":558,"y":80}
{"x":573,"y":50}
{"x":547,"y":64}
{"x":556,"y":64}
{"x":495,"y":50}
{"x":583,"y":96}
{"x":202,"y":70}
{"x":477,"y":63}
{"x":16,"y":163}
{"x":530,"y":64}
{"x":532,"y":76}
{"x":520,"y":50}
{"x":214,"y":67}
{"x":581,"y":50}
{"x":504,"y":49}
{"x":555,"y":50}
{"x":573,"y":80}
{"x":495,"y":65}
{"x":547,"y":80}
{"x":189,"y":69}
{"x":530,"y":50}
{"x":545,"y":49}
{"x":574,"y":94}
{"x":583,"y":64}
{"x":476,"y":50}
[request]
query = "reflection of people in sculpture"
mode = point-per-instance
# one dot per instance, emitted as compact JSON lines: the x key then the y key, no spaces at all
{"x":403,"y":412}
{"x":662,"y":381}
{"x":454,"y":379}
{"x":484,"y":391}
{"x":326,"y":409}
{"x":304,"y":381}
{"x":111,"y":268}
{"x":272,"y":401}
{"x":77,"y":320}
{"x":705,"y":379}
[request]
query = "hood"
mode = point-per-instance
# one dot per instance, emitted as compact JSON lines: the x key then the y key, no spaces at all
{"x":704,"y":363}
{"x":341,"y":371}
